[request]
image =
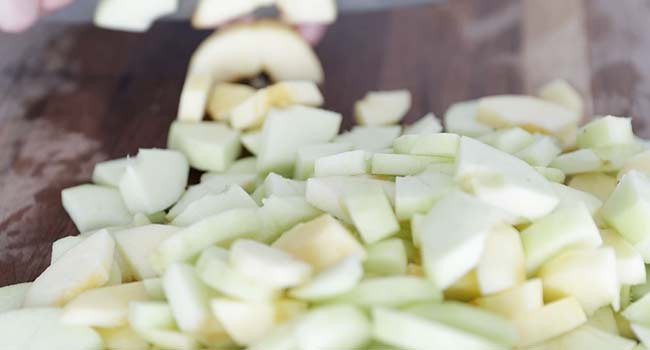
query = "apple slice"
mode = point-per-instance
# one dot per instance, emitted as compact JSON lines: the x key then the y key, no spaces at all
{"x":13,"y":296}
{"x":62,"y":245}
{"x":109,"y":173}
{"x":562,"y":93}
{"x":580,"y":161}
{"x":141,"y":14}
{"x":317,"y":11}
{"x":344,"y":163}
{"x":598,"y":184}
{"x":226,"y":96}
{"x":333,"y":327}
{"x":606,"y":131}
{"x":551,"y":174}
{"x":208,"y":146}
{"x":245,"y":321}
{"x":286,"y":130}
{"x":321,"y":242}
{"x":307,"y":156}
{"x":387,"y":257}
{"x":218,"y":229}
{"x":439,"y":145}
{"x":503,"y":181}
{"x":106,"y":307}
{"x":154,"y":322}
{"x":393,"y":291}
{"x":371,"y":212}
{"x":280,"y":213}
{"x":213,"y":204}
{"x":451,"y":244}
{"x":428,"y":124}
{"x":402,"y":164}
{"x":332,"y":281}
{"x":93,"y":207}
{"x":194,"y":97}
{"x":371,"y":138}
{"x":511,"y":140}
{"x":549,"y":321}
{"x":589,"y":275}
{"x":87,"y":265}
{"x":462,"y":118}
{"x":276,"y":185}
{"x":541,"y":152}
{"x":417,"y":194}
{"x":587,"y":338}
{"x":503,"y":264}
{"x":214,"y":269}
{"x":136,"y":245}
{"x":628,"y":208}
{"x":516,"y":300}
{"x":150,"y":171}
{"x":629,"y":263}
{"x":382,"y":107}
{"x":566,"y":227}
{"x":407,"y":331}
{"x":41,"y":328}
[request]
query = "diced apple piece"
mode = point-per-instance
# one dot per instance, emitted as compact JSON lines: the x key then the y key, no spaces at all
{"x":252,"y":141}
{"x":462,"y":118}
{"x":464,"y":289}
{"x":440,"y":144}
{"x":317,"y":11}
{"x":639,"y":290}
{"x":136,"y":245}
{"x":214,"y":269}
{"x":604,"y":320}
{"x":417,"y":194}
{"x":451,"y":244}
{"x":141,"y":14}
{"x":209,"y":146}
{"x":428,"y":124}
{"x":218,"y":229}
{"x":106,"y":307}
{"x":402,"y":164}
{"x":606,"y":131}
{"x":382,"y":107}
{"x":580,"y":161}
{"x":13,"y":296}
{"x":628,"y":207}
{"x":598,"y":184}
{"x":393,"y":291}
{"x":503,"y":264}
{"x":93,"y":207}
{"x":286,"y":130}
{"x":541,"y":152}
{"x":371,"y":138}
{"x":87,"y":265}
{"x":226,"y":96}
{"x":150,"y":171}
{"x":189,"y":301}
{"x":515,"y":301}
{"x":62,"y":245}
{"x":589,"y":275}
{"x":629,"y":263}
{"x":407,"y":331}
{"x":155,"y":322}
{"x":308,"y":155}
{"x":587,"y":338}
{"x":194,"y":97}
{"x":270,"y":266}
{"x":569,"y":196}
{"x":213,"y":204}
{"x":638,"y":311}
{"x":371,"y":212}
{"x":566,"y":227}
{"x":386,"y":258}
{"x":332,"y":281}
{"x":642,"y":332}
{"x":280,"y":213}
{"x":281,"y":337}
{"x":639,"y":162}
{"x":276,"y":185}
{"x":320,"y":242}
{"x":549,"y":321}
{"x":123,"y":338}
{"x":561,"y":92}
{"x":210,"y":14}
{"x":345,"y":163}
{"x":511,"y":140}
{"x":503,"y":180}
{"x":528,"y":112}
{"x":470,"y":319}
{"x":244,"y":321}
{"x":551,"y":174}
{"x":333,"y":327}
{"x":40,"y":328}
{"x":109,"y":173}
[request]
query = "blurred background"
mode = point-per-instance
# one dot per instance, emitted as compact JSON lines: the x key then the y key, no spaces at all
{"x":72,"y":94}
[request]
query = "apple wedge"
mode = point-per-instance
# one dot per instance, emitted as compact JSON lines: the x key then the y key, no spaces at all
{"x":150,"y":171}
{"x":110,"y":14}
{"x":438,"y":145}
{"x":332,"y":281}
{"x":598,"y":184}
{"x":515,"y":301}
{"x":93,"y":207}
{"x":371,"y":212}
{"x":109,"y":173}
{"x":382,"y":107}
{"x":208,"y":146}
{"x":244,"y":321}
{"x":639,"y":162}
{"x":226,"y":96}
{"x":344,"y":163}
{"x":87,"y":265}
{"x":428,"y":124}
{"x":606,"y":131}
{"x":629,"y":262}
{"x":13,"y":296}
{"x":280,"y":213}
{"x":137,"y":244}
{"x":308,"y":155}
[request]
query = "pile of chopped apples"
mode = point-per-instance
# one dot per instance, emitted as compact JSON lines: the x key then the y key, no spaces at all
{"x":512,"y":229}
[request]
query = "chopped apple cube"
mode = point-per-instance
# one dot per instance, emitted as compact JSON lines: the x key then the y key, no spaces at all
{"x":209,"y":146}
{"x":332,"y":281}
{"x":213,"y":204}
{"x":371,"y":212}
{"x":109,"y":173}
{"x":569,"y":196}
{"x":87,"y":265}
{"x":639,"y":162}
{"x":371,"y":138}
{"x":516,"y":300}
{"x":402,"y":164}
{"x":135,"y":246}
{"x":62,"y":245}
{"x":270,"y":266}
{"x":321,"y":242}
{"x":428,"y":124}
{"x":417,"y":194}
{"x":606,"y":131}
{"x":541,"y":152}
{"x":382,"y":107}
{"x":245,"y":321}
{"x":561,"y":92}
{"x":386,"y":258}
{"x":598,"y":184}
{"x":503,"y":264}
{"x":440,"y":144}
{"x":580,"y":161}
{"x":194,"y":97}
{"x":13,"y":296}
{"x":93,"y":207}
{"x":549,"y":321}
{"x":628,"y":208}
{"x":141,"y":14}
{"x":345,"y":163}
{"x":226,"y":96}
{"x":462,"y":118}
{"x":629,"y":263}
{"x":511,"y":140}
{"x":286,"y":130}
{"x":308,"y":155}
{"x":316,"y":11}
{"x":252,"y":141}
{"x":551,"y":174}
{"x":280,"y":213}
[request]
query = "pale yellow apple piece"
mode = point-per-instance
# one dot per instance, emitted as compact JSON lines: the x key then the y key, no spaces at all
{"x":561,"y":92}
{"x":225,"y":97}
{"x":549,"y":321}
{"x":382,"y":107}
{"x":194,"y":97}
{"x":503,"y":264}
{"x":134,"y":16}
{"x":515,"y":301}
{"x":314,"y":11}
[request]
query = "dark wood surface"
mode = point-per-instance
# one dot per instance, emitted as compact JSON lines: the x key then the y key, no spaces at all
{"x":73,"y":96}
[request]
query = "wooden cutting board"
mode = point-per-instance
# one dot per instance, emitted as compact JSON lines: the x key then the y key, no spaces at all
{"x":74,"y":96}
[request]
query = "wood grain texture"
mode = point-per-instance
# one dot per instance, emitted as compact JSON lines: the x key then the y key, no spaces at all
{"x":73,"y":96}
